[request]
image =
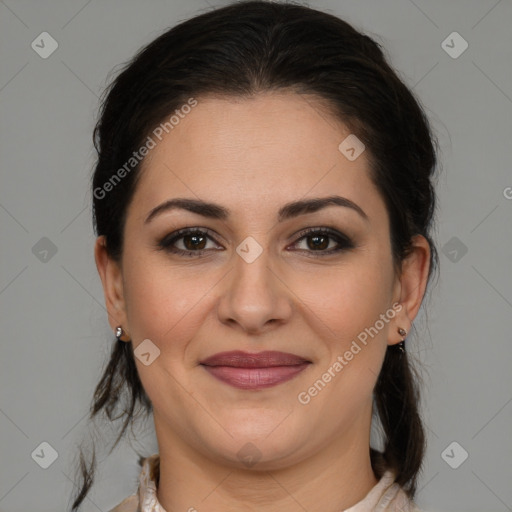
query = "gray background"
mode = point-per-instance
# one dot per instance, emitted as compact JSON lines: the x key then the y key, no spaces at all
{"x":55,"y":331}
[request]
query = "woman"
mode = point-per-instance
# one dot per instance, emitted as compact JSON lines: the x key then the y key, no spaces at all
{"x":263,"y":200}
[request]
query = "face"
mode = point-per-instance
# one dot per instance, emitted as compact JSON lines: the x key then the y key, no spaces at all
{"x":247,"y":276}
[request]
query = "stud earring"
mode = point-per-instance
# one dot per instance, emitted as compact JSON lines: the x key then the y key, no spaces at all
{"x":401,"y":346}
{"x":119,"y":333}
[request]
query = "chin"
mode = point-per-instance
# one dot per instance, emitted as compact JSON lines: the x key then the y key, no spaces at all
{"x":259,"y":424}
{"x":262,"y":446}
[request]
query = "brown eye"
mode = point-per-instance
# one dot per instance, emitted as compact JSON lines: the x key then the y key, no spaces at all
{"x":194,"y":242}
{"x":319,"y":240}
{"x":322,"y":241}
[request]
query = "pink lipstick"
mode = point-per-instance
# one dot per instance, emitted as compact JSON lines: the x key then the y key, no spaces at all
{"x":254,"y":371}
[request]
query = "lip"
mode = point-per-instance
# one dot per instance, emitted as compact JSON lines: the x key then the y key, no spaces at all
{"x":265,"y":359}
{"x":245,"y":370}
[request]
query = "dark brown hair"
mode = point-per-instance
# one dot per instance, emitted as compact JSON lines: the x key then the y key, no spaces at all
{"x":240,"y":50}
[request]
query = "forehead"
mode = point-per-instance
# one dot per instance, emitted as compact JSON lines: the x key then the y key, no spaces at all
{"x":254,"y":154}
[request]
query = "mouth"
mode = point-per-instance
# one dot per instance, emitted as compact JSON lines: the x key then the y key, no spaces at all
{"x":254,"y":371}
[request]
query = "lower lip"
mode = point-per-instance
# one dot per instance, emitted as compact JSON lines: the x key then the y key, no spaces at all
{"x":255,"y":378}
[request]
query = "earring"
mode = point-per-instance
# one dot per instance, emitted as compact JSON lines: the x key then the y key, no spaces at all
{"x":119,"y":333}
{"x":401,"y":345}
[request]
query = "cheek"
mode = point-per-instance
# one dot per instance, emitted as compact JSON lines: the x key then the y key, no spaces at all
{"x":160,"y":300}
{"x":165,"y":306}
{"x":345,"y":310}
{"x":168,"y":306}
{"x":346,"y":300}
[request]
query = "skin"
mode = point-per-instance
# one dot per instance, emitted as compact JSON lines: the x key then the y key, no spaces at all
{"x":253,"y":156}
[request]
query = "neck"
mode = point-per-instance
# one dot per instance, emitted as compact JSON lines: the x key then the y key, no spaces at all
{"x":334,"y":478}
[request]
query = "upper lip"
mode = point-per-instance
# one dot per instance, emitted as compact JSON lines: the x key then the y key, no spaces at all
{"x":265,"y":359}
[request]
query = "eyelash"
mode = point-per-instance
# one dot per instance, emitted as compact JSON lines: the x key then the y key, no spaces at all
{"x":345,"y":243}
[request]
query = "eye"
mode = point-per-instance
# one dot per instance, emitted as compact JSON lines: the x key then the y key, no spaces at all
{"x":319,"y":239}
{"x":193,"y":241}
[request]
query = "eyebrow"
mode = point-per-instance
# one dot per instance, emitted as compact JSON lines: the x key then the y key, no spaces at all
{"x":288,"y":211}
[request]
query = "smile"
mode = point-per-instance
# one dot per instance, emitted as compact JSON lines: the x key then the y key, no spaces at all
{"x":254,"y":371}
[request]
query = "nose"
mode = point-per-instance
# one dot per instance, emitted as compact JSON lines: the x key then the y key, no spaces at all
{"x":255,"y":298}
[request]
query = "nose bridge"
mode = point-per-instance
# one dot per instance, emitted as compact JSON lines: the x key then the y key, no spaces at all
{"x":254,"y":295}
{"x":252,"y":267}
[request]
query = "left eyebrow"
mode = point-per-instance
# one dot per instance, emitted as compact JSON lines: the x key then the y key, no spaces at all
{"x":288,"y":211}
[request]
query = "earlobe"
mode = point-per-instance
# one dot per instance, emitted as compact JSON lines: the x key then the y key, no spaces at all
{"x":112,"y":282}
{"x":411,"y":286}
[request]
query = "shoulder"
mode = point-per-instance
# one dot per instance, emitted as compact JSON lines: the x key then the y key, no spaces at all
{"x":149,"y":474}
{"x":395,"y":499}
{"x":129,"y":504}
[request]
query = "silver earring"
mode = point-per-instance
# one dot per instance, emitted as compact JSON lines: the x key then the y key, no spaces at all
{"x":119,"y":332}
{"x":401,"y":345}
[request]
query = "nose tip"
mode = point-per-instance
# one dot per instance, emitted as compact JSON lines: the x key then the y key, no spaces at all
{"x":254,"y":298}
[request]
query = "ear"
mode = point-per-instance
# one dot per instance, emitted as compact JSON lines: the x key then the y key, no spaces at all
{"x":410,"y":286}
{"x":112,"y":281}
